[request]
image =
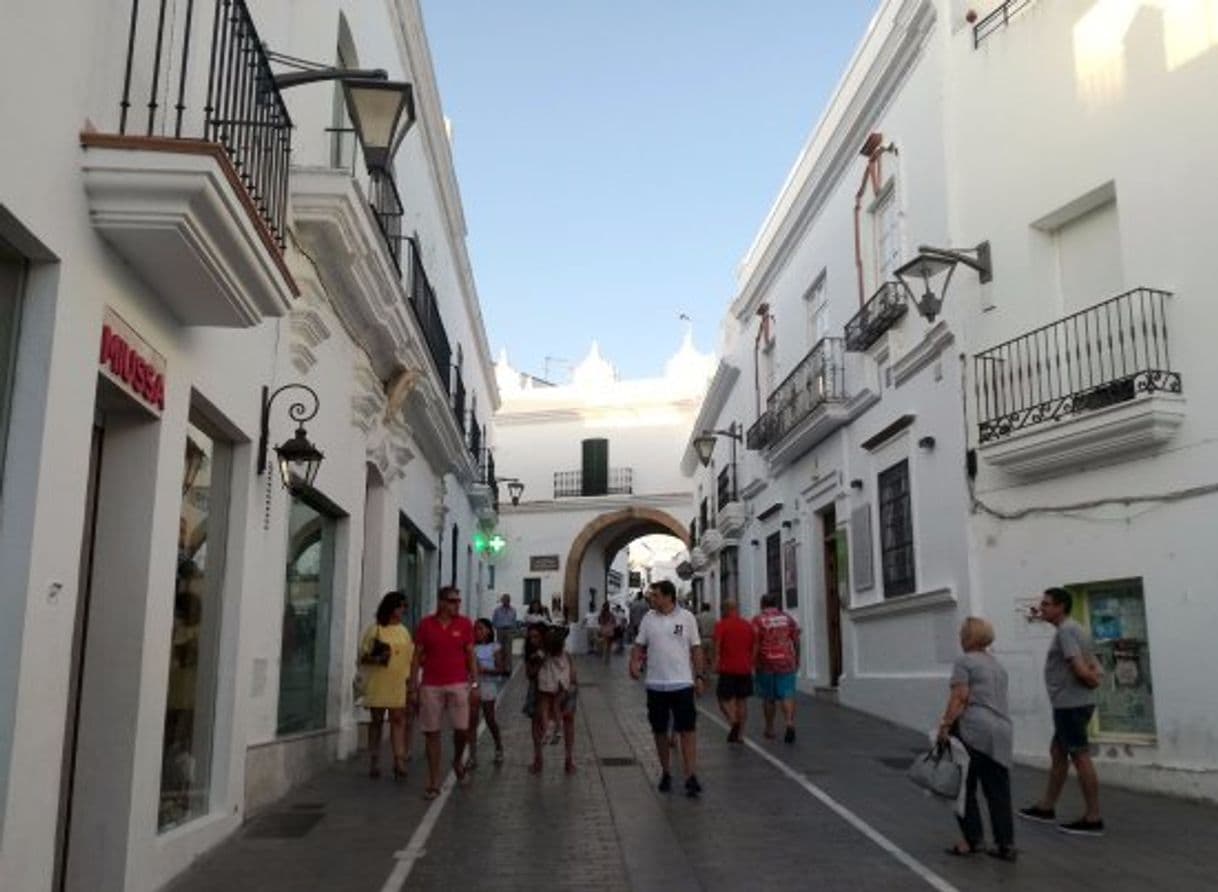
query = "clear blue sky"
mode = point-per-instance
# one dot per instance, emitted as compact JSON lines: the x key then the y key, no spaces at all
{"x":616,"y":157}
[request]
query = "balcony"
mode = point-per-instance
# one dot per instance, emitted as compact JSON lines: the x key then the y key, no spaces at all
{"x":570,"y":484}
{"x":387,"y":208}
{"x":475,"y":436}
{"x":998,"y":19}
{"x":192,"y":188}
{"x":484,"y":493}
{"x":1088,"y":388}
{"x":458,"y":399}
{"x":761,"y":434}
{"x":427,"y":314}
{"x":880,"y":313}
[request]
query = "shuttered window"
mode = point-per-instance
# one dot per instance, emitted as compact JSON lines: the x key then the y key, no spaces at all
{"x":595,"y":477}
{"x":773,"y":564}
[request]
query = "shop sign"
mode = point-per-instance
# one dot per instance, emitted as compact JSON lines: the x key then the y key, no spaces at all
{"x":128,"y":361}
{"x":543,"y":563}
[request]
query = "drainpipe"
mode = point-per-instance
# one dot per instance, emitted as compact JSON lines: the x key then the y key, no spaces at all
{"x":763,"y":335}
{"x":873,"y":150}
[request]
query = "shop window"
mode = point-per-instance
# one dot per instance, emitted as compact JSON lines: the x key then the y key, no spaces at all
{"x":773,"y":564}
{"x":896,"y":531}
{"x":304,"y":665}
{"x":1115,"y":614}
{"x":12,"y":277}
{"x":186,"y":752}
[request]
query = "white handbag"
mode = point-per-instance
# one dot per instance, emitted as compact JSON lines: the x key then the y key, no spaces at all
{"x":937,"y":772}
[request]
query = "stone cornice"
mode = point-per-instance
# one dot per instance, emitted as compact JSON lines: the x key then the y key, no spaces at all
{"x":873,"y":78}
{"x":416,"y":59}
{"x":597,"y":504}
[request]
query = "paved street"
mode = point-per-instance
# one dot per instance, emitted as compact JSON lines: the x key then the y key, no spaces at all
{"x":832,"y":811}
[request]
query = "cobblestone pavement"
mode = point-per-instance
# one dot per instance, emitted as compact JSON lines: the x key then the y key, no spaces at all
{"x":839,"y":815}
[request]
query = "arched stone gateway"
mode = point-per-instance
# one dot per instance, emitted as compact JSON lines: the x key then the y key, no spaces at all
{"x":607,"y":535}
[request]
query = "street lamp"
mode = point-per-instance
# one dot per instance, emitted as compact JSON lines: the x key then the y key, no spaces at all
{"x":377,"y":108}
{"x":515,"y":488}
{"x":298,"y":459}
{"x":930,"y":263}
{"x":376,"y":104}
{"x":704,"y":445}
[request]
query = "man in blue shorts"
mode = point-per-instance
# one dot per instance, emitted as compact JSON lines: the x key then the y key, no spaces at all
{"x":776,"y":656}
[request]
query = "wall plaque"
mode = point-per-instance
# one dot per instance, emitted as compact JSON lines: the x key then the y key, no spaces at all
{"x":543,"y":563}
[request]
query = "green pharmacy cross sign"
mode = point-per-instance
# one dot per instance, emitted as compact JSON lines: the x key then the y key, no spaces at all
{"x":493,"y":543}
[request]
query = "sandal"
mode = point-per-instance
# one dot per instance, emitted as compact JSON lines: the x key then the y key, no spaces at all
{"x":1003,"y":853}
{"x":399,"y":769}
{"x":431,"y":793}
{"x":963,"y":852}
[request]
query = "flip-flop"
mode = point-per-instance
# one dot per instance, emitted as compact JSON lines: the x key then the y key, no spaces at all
{"x":430,"y":793}
{"x":962,"y":853}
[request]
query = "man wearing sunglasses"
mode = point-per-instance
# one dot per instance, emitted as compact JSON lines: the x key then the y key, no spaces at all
{"x":444,"y":648}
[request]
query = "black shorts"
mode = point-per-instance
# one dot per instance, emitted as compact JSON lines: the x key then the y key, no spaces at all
{"x":734,"y":687}
{"x":678,"y":704}
{"x":1070,"y":728}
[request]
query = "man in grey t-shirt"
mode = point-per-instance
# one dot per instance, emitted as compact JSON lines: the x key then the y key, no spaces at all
{"x":1071,"y":677}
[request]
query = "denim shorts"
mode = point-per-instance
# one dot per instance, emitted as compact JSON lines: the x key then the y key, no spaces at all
{"x":1070,"y":728}
{"x":776,"y":685}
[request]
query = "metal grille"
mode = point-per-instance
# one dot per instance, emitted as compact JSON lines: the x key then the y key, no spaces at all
{"x":998,"y":19}
{"x":879,"y":314}
{"x":568,"y":484}
{"x":427,"y":314}
{"x":241,"y":111}
{"x":1108,"y":354}
{"x":896,"y":531}
{"x":387,"y":208}
{"x":819,"y":378}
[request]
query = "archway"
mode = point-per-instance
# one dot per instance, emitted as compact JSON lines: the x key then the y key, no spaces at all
{"x":609,"y":533}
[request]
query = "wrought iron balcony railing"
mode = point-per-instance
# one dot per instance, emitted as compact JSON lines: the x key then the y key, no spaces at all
{"x":568,"y":484}
{"x":427,"y":314}
{"x":388,"y":209}
{"x":475,"y":435}
{"x":879,"y":314}
{"x":998,"y":19}
{"x":1108,"y":354}
{"x":819,"y":378}
{"x":458,"y":399}
{"x":238,"y":107}
{"x":726,"y":486}
{"x":761,"y":434}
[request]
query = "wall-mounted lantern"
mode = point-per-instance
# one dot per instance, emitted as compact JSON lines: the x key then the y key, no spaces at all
{"x":298,"y":459}
{"x":930,"y":264}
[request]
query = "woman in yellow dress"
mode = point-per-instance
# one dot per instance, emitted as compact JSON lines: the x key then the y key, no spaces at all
{"x":386,"y":651}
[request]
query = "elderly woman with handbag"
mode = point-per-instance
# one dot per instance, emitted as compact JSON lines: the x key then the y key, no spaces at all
{"x":977,"y":716}
{"x":385,"y":653}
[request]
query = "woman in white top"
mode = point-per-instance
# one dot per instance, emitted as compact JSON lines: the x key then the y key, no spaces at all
{"x":492,"y":676}
{"x":557,"y":687}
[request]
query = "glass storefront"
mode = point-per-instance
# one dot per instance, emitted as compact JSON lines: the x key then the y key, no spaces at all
{"x":304,"y":667}
{"x":186,"y":754}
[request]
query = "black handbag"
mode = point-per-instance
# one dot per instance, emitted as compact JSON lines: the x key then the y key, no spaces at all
{"x":378,"y":655}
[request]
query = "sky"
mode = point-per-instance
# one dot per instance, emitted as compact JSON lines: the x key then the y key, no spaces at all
{"x":616,"y":158}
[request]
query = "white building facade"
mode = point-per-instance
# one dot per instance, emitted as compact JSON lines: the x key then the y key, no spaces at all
{"x":896,"y":474}
{"x":599,"y":461}
{"x":178,"y":237}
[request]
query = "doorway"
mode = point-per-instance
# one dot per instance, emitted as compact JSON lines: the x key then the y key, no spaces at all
{"x":76,"y":657}
{"x":833,"y":601}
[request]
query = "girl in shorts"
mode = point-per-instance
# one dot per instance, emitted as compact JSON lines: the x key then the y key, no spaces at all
{"x":557,"y":688}
{"x":492,"y":676}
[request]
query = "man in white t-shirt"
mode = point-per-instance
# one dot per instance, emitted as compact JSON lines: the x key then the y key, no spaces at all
{"x":669,"y":642}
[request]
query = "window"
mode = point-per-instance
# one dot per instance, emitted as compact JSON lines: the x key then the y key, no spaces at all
{"x":773,"y":564}
{"x":729,"y":583}
{"x":790,"y":574}
{"x":1115,"y":614}
{"x":594,"y":480}
{"x":304,"y":664}
{"x":818,"y":309}
{"x":12,"y":277}
{"x":886,"y":230}
{"x":532,"y":590}
{"x":186,"y":751}
{"x":1089,"y":256}
{"x":896,"y":531}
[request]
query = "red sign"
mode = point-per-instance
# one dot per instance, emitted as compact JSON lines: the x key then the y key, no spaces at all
{"x":130,"y":363}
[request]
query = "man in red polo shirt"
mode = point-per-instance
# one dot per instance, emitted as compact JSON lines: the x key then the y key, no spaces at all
{"x":444,"y":647}
{"x":734,"y":639}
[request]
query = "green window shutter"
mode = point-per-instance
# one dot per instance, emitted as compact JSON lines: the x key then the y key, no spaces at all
{"x":595,"y":468}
